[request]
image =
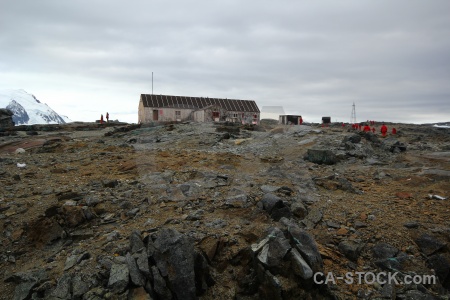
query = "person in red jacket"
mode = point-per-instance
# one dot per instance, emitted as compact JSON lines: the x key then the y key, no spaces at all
{"x":384,"y":130}
{"x":373,"y":129}
{"x":366,"y":128}
{"x":359,"y":126}
{"x":101,"y":119}
{"x":300,"y":120}
{"x":394,"y":131}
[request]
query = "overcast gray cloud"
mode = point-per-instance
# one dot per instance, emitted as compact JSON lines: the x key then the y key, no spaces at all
{"x":315,"y":58}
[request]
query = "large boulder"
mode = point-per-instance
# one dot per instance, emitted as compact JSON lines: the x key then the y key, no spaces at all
{"x":175,"y":257}
{"x":321,"y":156}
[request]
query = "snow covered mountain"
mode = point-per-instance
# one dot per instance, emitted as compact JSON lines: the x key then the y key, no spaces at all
{"x":28,"y":110}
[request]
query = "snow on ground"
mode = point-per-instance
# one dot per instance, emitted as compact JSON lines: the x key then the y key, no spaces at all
{"x":38,"y":113}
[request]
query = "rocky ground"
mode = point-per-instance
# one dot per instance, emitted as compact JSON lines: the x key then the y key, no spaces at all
{"x":180,"y":211}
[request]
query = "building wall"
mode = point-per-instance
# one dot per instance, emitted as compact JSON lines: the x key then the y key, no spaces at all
{"x":145,"y":115}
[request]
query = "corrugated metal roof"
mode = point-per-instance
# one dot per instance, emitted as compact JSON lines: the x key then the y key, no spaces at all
{"x":150,"y":100}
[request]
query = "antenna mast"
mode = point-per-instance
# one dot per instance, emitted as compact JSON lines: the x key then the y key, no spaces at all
{"x":353,"y":116}
{"x":152,"y":83}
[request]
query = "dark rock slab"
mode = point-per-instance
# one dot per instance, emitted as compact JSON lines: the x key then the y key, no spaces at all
{"x":354,"y":138}
{"x":142,"y":261}
{"x":274,"y":251}
{"x":135,"y":275}
{"x":269,"y":201}
{"x":306,"y":245}
{"x":299,"y":210}
{"x":392,"y":264}
{"x":299,"y":264}
{"x":275,"y":207}
{"x":136,"y":242}
{"x":23,"y":290}
{"x":63,"y":288}
{"x":384,"y":250}
{"x":321,"y":156}
{"x":412,"y":224}
{"x":159,"y":284}
{"x":350,"y":249}
{"x":393,"y":145}
{"x":429,"y":244}
{"x":174,"y":258}
{"x":79,"y":287}
{"x":440,"y":265}
{"x":203,"y":278}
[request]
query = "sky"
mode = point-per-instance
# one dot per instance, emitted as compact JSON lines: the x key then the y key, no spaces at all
{"x":313,"y":58}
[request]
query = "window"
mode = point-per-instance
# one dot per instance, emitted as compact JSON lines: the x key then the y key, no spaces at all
{"x":178,"y":114}
{"x":235,"y":115}
{"x":215,"y":114}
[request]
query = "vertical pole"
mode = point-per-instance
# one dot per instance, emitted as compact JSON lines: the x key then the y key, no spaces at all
{"x":152,"y":83}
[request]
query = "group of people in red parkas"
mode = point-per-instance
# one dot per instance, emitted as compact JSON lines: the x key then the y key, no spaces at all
{"x":367,"y":128}
{"x":107,"y":118}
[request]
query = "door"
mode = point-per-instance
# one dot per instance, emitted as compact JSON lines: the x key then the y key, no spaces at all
{"x":155,"y":115}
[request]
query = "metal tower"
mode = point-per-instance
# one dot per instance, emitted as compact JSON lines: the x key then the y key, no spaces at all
{"x":353,"y":116}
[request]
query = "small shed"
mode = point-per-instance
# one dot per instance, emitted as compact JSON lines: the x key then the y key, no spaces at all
{"x":326,"y":120}
{"x":289,"y":119}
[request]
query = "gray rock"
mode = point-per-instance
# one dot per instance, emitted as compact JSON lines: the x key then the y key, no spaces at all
{"x":275,"y":207}
{"x":299,"y":210}
{"x":321,"y":156}
{"x":118,"y":278}
{"x":306,"y":245}
{"x":136,"y":277}
{"x":142,"y":261}
{"x":63,"y":288}
{"x":195,"y":216}
{"x":26,"y":282}
{"x":23,"y":289}
{"x":359,"y":224}
{"x":333,"y":224}
{"x":383,"y":251}
{"x":159,"y":285}
{"x":217,"y":224}
{"x":136,"y":242}
{"x":92,"y":200}
{"x":392,"y":264}
{"x":350,"y":249}
{"x":393,"y":145}
{"x":354,"y":138}
{"x":79,"y":287}
{"x":110,"y":183}
{"x":300,"y":266}
{"x":412,"y":224}
{"x":429,"y":244}
{"x":238,"y":201}
{"x":175,"y":252}
{"x":275,"y":250}
{"x":133,"y":212}
{"x":269,"y":188}
{"x":314,"y":216}
{"x":269,"y":201}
